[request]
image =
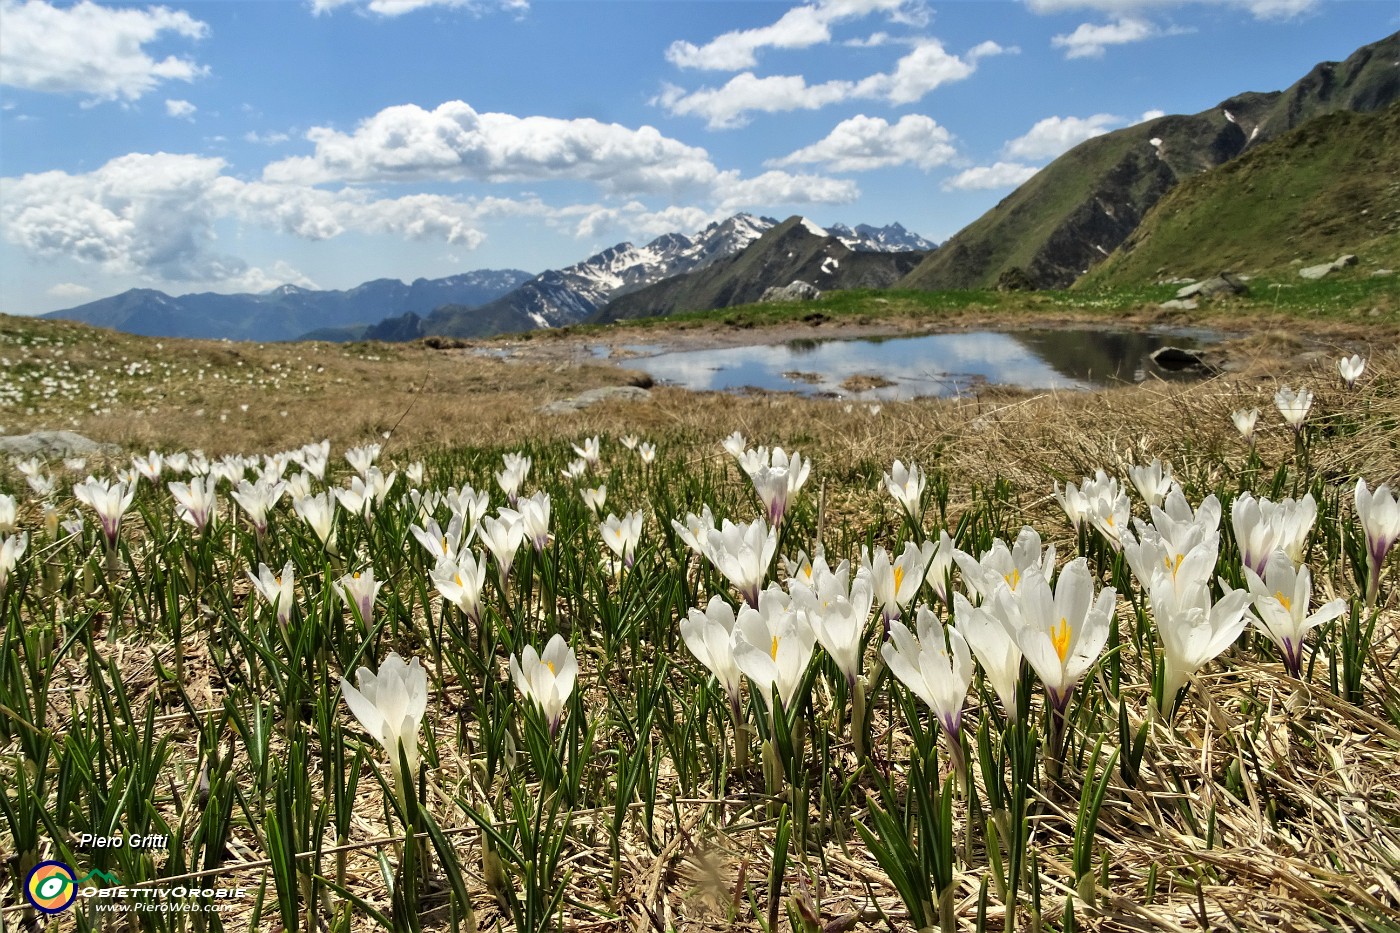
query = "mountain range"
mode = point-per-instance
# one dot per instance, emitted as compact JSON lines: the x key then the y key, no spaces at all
{"x":1074,"y":212}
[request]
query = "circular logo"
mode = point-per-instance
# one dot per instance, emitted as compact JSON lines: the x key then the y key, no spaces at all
{"x":51,"y":887}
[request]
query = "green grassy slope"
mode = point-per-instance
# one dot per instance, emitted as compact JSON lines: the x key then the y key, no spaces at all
{"x":1328,"y":187}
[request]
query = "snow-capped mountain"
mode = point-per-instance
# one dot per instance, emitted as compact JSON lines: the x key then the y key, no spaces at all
{"x":568,"y":295}
{"x":889,"y":239}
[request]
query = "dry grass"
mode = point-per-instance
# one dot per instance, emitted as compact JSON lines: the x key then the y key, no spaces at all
{"x":1303,"y":787}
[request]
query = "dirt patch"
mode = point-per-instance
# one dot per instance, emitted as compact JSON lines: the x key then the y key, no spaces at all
{"x":864,"y":382}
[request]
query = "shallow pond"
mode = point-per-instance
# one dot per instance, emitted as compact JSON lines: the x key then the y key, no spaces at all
{"x":928,"y":365}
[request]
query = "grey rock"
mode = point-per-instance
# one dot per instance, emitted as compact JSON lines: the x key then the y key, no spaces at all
{"x":1179,"y":304}
{"x":593,"y":397}
{"x":1380,"y":272}
{"x":796,"y":291}
{"x":1177,"y":359}
{"x":1223,"y":284}
{"x":1327,"y":268}
{"x":47,"y":444}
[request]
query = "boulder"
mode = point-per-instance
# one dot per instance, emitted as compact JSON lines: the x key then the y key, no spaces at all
{"x":1179,"y":304}
{"x":1327,"y":268}
{"x":583,"y":400}
{"x":1223,"y":284}
{"x":798,"y":290}
{"x":53,"y":444}
{"x":1177,"y":359}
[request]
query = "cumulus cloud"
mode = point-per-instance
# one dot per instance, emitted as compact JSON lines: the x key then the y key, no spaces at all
{"x":1054,"y":135}
{"x":986,"y":177}
{"x":927,"y":66}
{"x":180,"y":109}
{"x":265,"y":139}
{"x":156,"y":213}
{"x":455,"y":143}
{"x":1090,"y":40}
{"x":775,"y":188}
{"x":91,"y":49}
{"x":391,"y":8}
{"x":69,"y":291}
{"x":799,"y":28}
{"x":864,"y":143}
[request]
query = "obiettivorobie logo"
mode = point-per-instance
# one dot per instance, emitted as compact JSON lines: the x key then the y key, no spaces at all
{"x":52,"y":887}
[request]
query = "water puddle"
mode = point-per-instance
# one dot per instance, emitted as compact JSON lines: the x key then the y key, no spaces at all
{"x":929,"y":365}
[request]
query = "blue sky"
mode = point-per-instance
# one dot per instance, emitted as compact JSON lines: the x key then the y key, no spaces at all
{"x":237,"y":145}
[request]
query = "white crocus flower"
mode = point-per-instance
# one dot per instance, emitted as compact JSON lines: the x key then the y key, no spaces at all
{"x":1061,"y":631}
{"x":906,"y":486}
{"x":1109,"y":511}
{"x":742,"y":552}
{"x":148,"y":466}
{"x":695,"y":531}
{"x":1194,"y":629}
{"x":547,"y":679}
{"x":414,"y":471}
{"x":503,"y":534}
{"x":362,"y":458}
{"x":1281,"y":599}
{"x":42,"y":485}
{"x":629,"y":441}
{"x":196,"y":502}
{"x":1152,"y":482}
{"x":517,"y":470}
{"x":11,"y":550}
{"x":360,"y":588}
{"x":1245,"y":421}
{"x":773,"y":645}
{"x":276,"y":589}
{"x":647,"y":451}
{"x":594,"y":498}
{"x":30,"y":466}
{"x":735,"y":445}
{"x":895,"y":583}
{"x":1379,"y":514}
{"x":1073,"y":502}
{"x":9,"y":514}
{"x":838,"y":620}
{"x":109,"y":500}
{"x":1294,"y":405}
{"x":469,"y":503}
{"x":591,"y":451}
{"x":257,"y":499}
{"x":443,"y":545}
{"x":574,"y":470}
{"x":938,"y":674}
{"x":534,"y":513}
{"x":318,"y":512}
{"x":940,"y":563}
{"x":1351,"y":368}
{"x":460,"y":579}
{"x":622,"y":535}
{"x":1003,"y":566}
{"x":710,"y":637}
{"x":299,"y":486}
{"x":988,"y":635}
{"x":390,"y":705}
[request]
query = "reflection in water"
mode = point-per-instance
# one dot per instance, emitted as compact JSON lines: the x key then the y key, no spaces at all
{"x":930,"y":365}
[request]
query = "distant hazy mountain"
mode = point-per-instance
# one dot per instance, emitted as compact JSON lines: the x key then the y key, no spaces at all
{"x":288,"y":312}
{"x":1074,"y":212}
{"x":796,"y":249}
{"x":569,"y":295}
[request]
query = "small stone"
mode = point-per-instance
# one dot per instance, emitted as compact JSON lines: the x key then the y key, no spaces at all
{"x":1179,"y":304}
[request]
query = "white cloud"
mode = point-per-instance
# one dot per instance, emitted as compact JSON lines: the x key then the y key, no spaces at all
{"x":91,"y":49}
{"x":180,"y":109}
{"x":1151,"y":115}
{"x":69,"y":291}
{"x":863,"y":143}
{"x":985,"y":177}
{"x":393,"y":8}
{"x":924,"y":68}
{"x":799,"y":28}
{"x":155,"y":214}
{"x":454,"y":142}
{"x":1054,"y":135}
{"x":265,"y":139}
{"x":780,"y":188}
{"x":1090,"y":40}
{"x":1260,"y":9}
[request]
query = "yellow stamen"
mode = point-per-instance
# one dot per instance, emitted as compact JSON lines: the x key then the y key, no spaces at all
{"x":550,"y":665}
{"x":1059,"y":637}
{"x":898,"y":577}
{"x":1109,"y":521}
{"x":355,"y":575}
{"x":1173,"y":566}
{"x":458,"y":578}
{"x":1284,"y":601}
{"x":1013,"y":578}
{"x":775,"y":648}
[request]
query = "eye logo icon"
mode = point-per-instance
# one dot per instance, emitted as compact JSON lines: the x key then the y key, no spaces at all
{"x":51,"y":887}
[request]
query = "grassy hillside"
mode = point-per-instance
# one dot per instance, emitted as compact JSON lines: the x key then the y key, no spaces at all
{"x":1080,"y":207}
{"x":1328,"y":187}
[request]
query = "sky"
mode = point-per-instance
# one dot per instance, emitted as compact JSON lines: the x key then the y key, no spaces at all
{"x":239,"y":145}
